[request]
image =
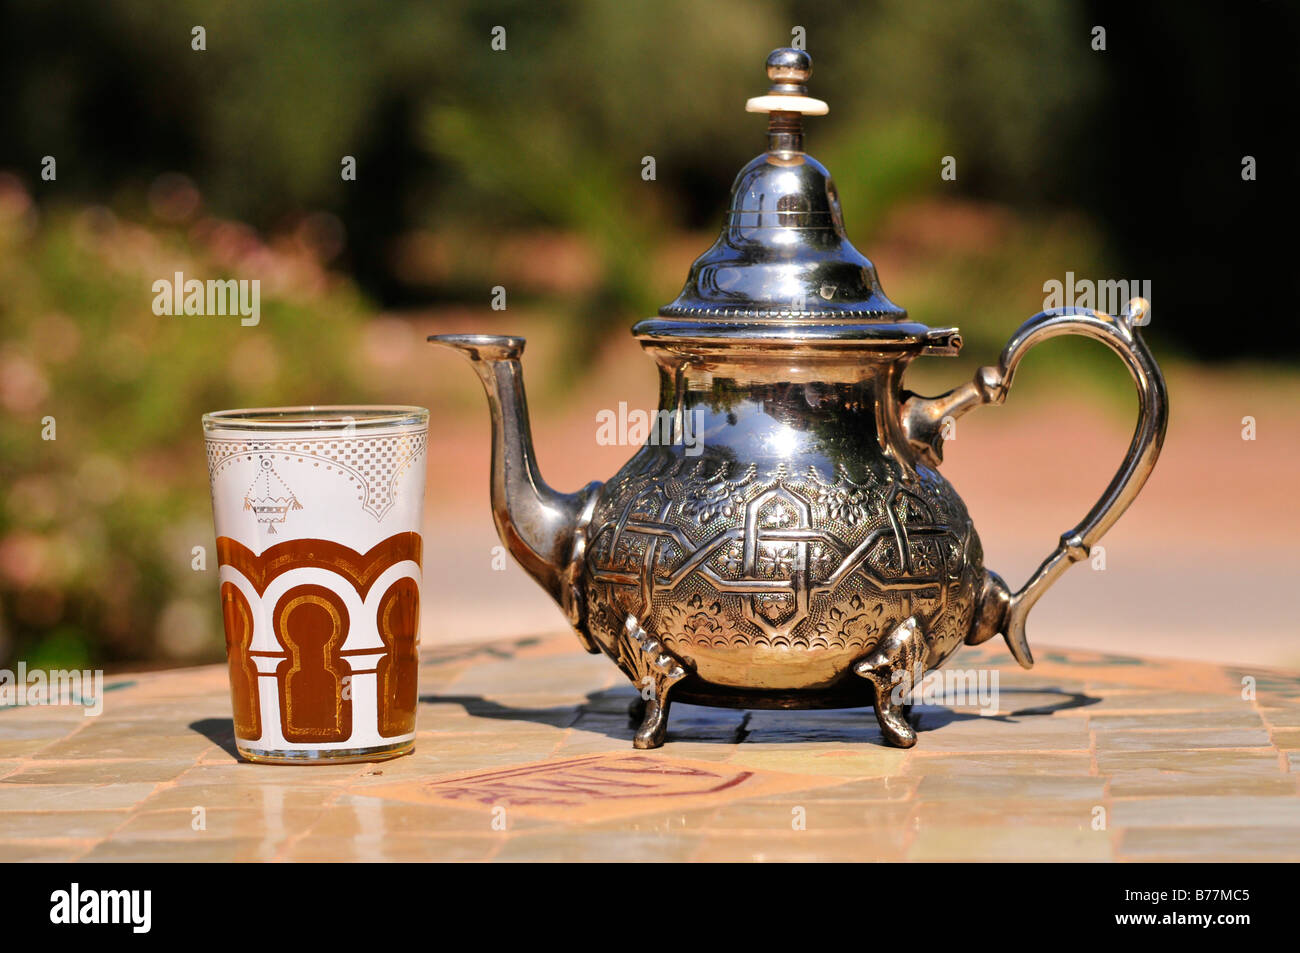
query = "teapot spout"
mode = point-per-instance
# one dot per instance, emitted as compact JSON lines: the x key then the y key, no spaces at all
{"x":544,"y":530}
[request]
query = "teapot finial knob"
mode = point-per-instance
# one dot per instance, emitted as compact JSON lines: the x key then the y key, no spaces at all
{"x":788,"y":69}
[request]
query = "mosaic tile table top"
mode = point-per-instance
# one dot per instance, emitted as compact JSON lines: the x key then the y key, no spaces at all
{"x":524,"y":753}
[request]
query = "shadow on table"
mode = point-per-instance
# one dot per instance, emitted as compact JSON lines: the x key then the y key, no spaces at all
{"x":932,"y":717}
{"x":695,"y":725}
{"x":220,"y":731}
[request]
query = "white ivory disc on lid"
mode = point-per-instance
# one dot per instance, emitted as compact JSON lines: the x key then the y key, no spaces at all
{"x":789,"y":104}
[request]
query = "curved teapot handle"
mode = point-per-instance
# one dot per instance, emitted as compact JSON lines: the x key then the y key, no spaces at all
{"x":925,"y":420}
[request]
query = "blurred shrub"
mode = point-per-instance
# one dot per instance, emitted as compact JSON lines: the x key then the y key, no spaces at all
{"x":98,"y":524}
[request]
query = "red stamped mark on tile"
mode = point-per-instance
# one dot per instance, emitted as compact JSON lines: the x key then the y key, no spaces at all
{"x":595,"y":787}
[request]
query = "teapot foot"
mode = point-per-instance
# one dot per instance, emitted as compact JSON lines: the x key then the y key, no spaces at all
{"x":654,"y":671}
{"x":892,"y":668}
{"x":654,"y":725}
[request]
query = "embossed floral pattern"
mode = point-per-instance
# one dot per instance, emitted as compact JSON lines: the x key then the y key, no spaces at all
{"x":776,"y":561}
{"x":774,"y":607}
{"x":778,"y":516}
{"x":696,"y":622}
{"x":705,"y":504}
{"x":706,"y":500}
{"x":851,"y":622}
{"x":849,"y":507}
{"x":823,"y":560}
{"x":627,"y":555}
{"x":925,"y":559}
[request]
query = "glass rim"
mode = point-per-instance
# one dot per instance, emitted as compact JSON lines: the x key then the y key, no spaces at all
{"x":313,"y":417}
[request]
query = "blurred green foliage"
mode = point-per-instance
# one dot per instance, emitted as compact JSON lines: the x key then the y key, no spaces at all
{"x":101,"y":456}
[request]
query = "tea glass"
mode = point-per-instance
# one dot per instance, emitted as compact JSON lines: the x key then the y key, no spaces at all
{"x":318,"y":517}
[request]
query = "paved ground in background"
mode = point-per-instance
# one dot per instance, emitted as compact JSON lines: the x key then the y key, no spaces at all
{"x":524,"y":753}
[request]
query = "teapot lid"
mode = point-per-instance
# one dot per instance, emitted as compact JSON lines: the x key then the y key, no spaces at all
{"x":783,"y":269}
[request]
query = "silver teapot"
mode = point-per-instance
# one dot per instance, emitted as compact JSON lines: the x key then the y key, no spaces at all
{"x":792,"y":543}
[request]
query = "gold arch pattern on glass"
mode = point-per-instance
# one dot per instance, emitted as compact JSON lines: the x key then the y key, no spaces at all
{"x":398,"y":621}
{"x":361,"y":569}
{"x":238,"y":619}
{"x":311,"y":624}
